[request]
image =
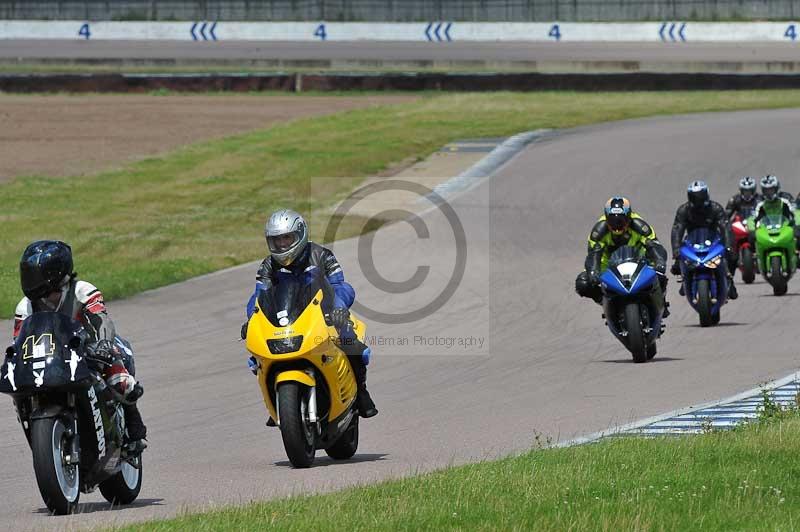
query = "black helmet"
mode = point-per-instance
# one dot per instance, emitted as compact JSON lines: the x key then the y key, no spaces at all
{"x":44,"y":268}
{"x":618,"y":214}
{"x":698,"y":194}
{"x":747,"y":188}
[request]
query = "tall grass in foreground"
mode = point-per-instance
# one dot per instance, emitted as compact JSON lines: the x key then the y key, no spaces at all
{"x":201,"y":208}
{"x":744,"y":479}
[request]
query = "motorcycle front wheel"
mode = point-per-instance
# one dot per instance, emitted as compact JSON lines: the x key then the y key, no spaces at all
{"x":704,"y":303}
{"x":633,"y":324}
{"x":778,"y":281}
{"x":296,"y":430}
{"x":59,"y":483}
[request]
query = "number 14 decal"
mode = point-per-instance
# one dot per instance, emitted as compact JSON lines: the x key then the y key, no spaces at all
{"x":38,"y":346}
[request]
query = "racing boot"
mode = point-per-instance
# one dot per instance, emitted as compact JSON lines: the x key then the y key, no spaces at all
{"x":732,"y":293}
{"x":663,"y":281}
{"x":358,"y":354}
{"x":366,"y":408}
{"x":137,"y":431}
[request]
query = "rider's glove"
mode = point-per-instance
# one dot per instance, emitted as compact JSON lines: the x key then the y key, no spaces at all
{"x":340,"y":317}
{"x":675,"y":269}
{"x":102,"y":350}
{"x":244,"y":330}
{"x":594,"y":278}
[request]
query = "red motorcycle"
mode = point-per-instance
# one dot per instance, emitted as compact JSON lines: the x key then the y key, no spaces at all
{"x":741,"y":237}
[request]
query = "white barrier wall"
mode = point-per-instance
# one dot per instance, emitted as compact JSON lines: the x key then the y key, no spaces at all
{"x":438,"y":31}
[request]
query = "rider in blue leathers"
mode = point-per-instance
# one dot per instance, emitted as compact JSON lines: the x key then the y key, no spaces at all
{"x":293,"y":255}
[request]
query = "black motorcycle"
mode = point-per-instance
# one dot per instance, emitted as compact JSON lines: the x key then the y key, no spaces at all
{"x":74,"y":422}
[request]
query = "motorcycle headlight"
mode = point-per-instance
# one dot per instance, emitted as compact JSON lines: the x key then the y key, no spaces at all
{"x":713,"y":263}
{"x":286,"y":345}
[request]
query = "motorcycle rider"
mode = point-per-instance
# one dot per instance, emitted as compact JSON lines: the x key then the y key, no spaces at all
{"x":50,"y":284}
{"x":775,"y":202}
{"x":292,"y":253}
{"x":619,"y":226}
{"x":744,"y":203}
{"x":700,"y":211}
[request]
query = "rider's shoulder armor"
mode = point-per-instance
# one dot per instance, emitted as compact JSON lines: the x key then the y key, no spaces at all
{"x":24,"y":309}
{"x":599,"y":230}
{"x":640,"y":226}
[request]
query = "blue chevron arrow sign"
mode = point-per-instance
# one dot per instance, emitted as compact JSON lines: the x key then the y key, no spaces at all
{"x":438,"y":35}
{"x":201,"y":33}
{"x":670,"y":34}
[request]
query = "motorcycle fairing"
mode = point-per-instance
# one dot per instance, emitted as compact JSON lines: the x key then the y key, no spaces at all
{"x":317,"y":352}
{"x":47,"y":354}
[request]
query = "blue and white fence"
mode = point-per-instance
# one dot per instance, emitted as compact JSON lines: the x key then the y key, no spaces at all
{"x":433,"y":31}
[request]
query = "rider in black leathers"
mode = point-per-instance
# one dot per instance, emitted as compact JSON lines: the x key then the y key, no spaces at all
{"x":699,"y":212}
{"x":744,"y":203}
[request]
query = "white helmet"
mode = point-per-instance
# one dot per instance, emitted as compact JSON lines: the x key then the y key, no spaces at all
{"x":287,"y":236}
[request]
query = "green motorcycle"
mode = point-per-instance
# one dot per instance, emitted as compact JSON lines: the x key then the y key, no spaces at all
{"x":775,"y":248}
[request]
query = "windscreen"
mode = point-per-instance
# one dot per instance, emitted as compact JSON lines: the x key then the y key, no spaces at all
{"x":624,"y":254}
{"x":773,"y":221}
{"x":46,"y":334}
{"x":701,"y":238}
{"x":290,"y":294}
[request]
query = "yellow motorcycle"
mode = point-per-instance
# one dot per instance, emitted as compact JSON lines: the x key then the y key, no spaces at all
{"x":306,"y":380}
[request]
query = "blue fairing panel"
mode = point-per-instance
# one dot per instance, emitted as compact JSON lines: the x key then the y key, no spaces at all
{"x":644,"y":281}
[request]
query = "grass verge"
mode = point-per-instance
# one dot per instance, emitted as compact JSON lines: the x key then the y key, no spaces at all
{"x":201,"y":208}
{"x":744,"y":479}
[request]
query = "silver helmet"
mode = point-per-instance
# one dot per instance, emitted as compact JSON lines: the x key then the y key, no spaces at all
{"x":747,"y":188}
{"x":770,"y":186}
{"x":287,"y":236}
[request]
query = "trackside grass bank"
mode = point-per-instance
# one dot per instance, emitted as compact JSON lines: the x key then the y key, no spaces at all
{"x":745,"y":479}
{"x":201,"y":208}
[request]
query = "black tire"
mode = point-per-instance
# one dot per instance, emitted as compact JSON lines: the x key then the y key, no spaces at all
{"x":715,"y":318}
{"x":748,"y":266}
{"x":704,"y":303}
{"x":778,"y":282}
{"x":652,"y":351}
{"x":124,"y":487}
{"x":59,"y":485}
{"x":347,"y":444}
{"x":633,"y":323}
{"x":298,"y":438}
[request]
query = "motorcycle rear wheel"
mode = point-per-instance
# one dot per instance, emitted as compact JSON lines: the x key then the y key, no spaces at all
{"x":748,"y":266}
{"x":124,"y":487}
{"x":633,"y":323}
{"x":779,"y":284}
{"x":297,"y":433}
{"x":652,"y":351}
{"x":347,"y":444}
{"x":704,"y":303}
{"x":58,"y":482}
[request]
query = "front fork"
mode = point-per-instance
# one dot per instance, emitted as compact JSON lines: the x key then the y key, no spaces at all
{"x":73,"y":458}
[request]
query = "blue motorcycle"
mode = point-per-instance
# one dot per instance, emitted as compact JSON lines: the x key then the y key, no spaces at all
{"x":705,"y":274}
{"x":633,"y":303}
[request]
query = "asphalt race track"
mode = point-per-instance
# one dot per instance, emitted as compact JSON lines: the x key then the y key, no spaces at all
{"x":171,"y":51}
{"x":549,"y":367}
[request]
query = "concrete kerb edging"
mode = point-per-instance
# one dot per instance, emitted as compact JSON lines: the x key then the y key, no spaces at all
{"x":679,"y":412}
{"x":485,"y":168}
